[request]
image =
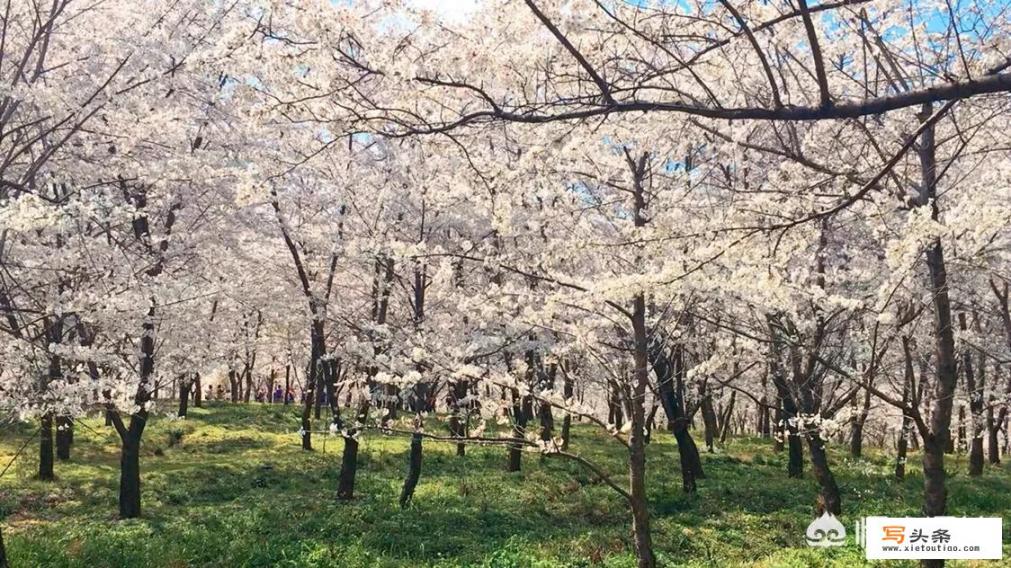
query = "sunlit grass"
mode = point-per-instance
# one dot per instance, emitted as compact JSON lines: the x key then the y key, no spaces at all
{"x":236,"y":490}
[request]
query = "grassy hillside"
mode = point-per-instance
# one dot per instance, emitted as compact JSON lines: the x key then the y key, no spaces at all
{"x":236,"y":490}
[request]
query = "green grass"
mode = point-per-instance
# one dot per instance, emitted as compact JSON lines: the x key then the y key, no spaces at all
{"x":236,"y":490}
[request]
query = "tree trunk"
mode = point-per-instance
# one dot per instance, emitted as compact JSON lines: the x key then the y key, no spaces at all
{"x":521,"y":413}
{"x":413,"y":470}
{"x":349,"y":469}
{"x":64,"y":437}
{"x":829,"y":499}
{"x":3,"y":552}
{"x":992,"y":427}
{"x":129,"y":478}
{"x":708,"y":419}
{"x":961,"y":430}
{"x":903,"y":447}
{"x":669,"y":370}
{"x":198,"y":397}
{"x":234,"y":385}
{"x":46,"y":448}
{"x":457,"y":427}
{"x":795,"y":465}
{"x":937,"y":439}
{"x":636,"y":443}
{"x":544,"y":412}
{"x":975,"y":384}
{"x":780,"y":428}
{"x":857,"y":431}
{"x":567,"y":419}
{"x":726,"y":424}
{"x":319,"y":395}
{"x":184,"y":396}
{"x":287,"y":384}
{"x":248,"y":391}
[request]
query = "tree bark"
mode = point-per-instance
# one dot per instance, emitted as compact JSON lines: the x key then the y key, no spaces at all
{"x":567,"y":419}
{"x":726,"y":423}
{"x":349,"y":470}
{"x":937,"y":439}
{"x":64,"y":437}
{"x":908,"y":390}
{"x":708,"y":419}
{"x":975,"y":384}
{"x":992,"y":427}
{"x":413,"y":470}
{"x":3,"y":552}
{"x":287,"y":384}
{"x":129,"y":478}
{"x":669,"y":369}
{"x":184,"y":396}
{"x":521,"y":413}
{"x":636,"y":442}
{"x":857,"y":431}
{"x":457,"y":393}
{"x":46,"y":448}
{"x":829,"y":499}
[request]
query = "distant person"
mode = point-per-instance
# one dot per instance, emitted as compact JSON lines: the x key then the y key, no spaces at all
{"x":221,"y":392}
{"x":278,"y":395}
{"x":261,"y":395}
{"x":209,"y":395}
{"x":289,"y":397}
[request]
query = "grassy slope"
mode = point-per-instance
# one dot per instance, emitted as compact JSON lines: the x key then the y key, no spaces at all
{"x":238,"y":491}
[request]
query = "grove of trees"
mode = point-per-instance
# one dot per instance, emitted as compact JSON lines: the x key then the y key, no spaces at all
{"x":695,"y":218}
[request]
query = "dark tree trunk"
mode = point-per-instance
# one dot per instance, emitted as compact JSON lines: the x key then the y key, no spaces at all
{"x":349,"y":458}
{"x":129,"y":479}
{"x":903,"y":447}
{"x":248,"y":391}
{"x":64,"y":437}
{"x":992,"y":427}
{"x":795,"y":465}
{"x":457,"y":423}
{"x":567,"y":419}
{"x":234,"y":385}
{"x":198,"y":397}
{"x":857,"y":431}
{"x":318,"y":404}
{"x":937,"y":439}
{"x":46,"y":448}
{"x":413,"y":470}
{"x":961,"y":446}
{"x":908,"y":392}
{"x":615,"y":414}
{"x":129,"y":459}
{"x":726,"y":423}
{"x":521,"y":413}
{"x":795,"y":446}
{"x":780,"y":429}
{"x":669,"y":371}
{"x":829,"y":499}
{"x":313,"y":376}
{"x":544,"y":413}
{"x":975,"y":384}
{"x":3,"y":552}
{"x":287,"y":384}
{"x":708,"y":419}
{"x":636,"y":444}
{"x":349,"y":470}
{"x":184,"y":396}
